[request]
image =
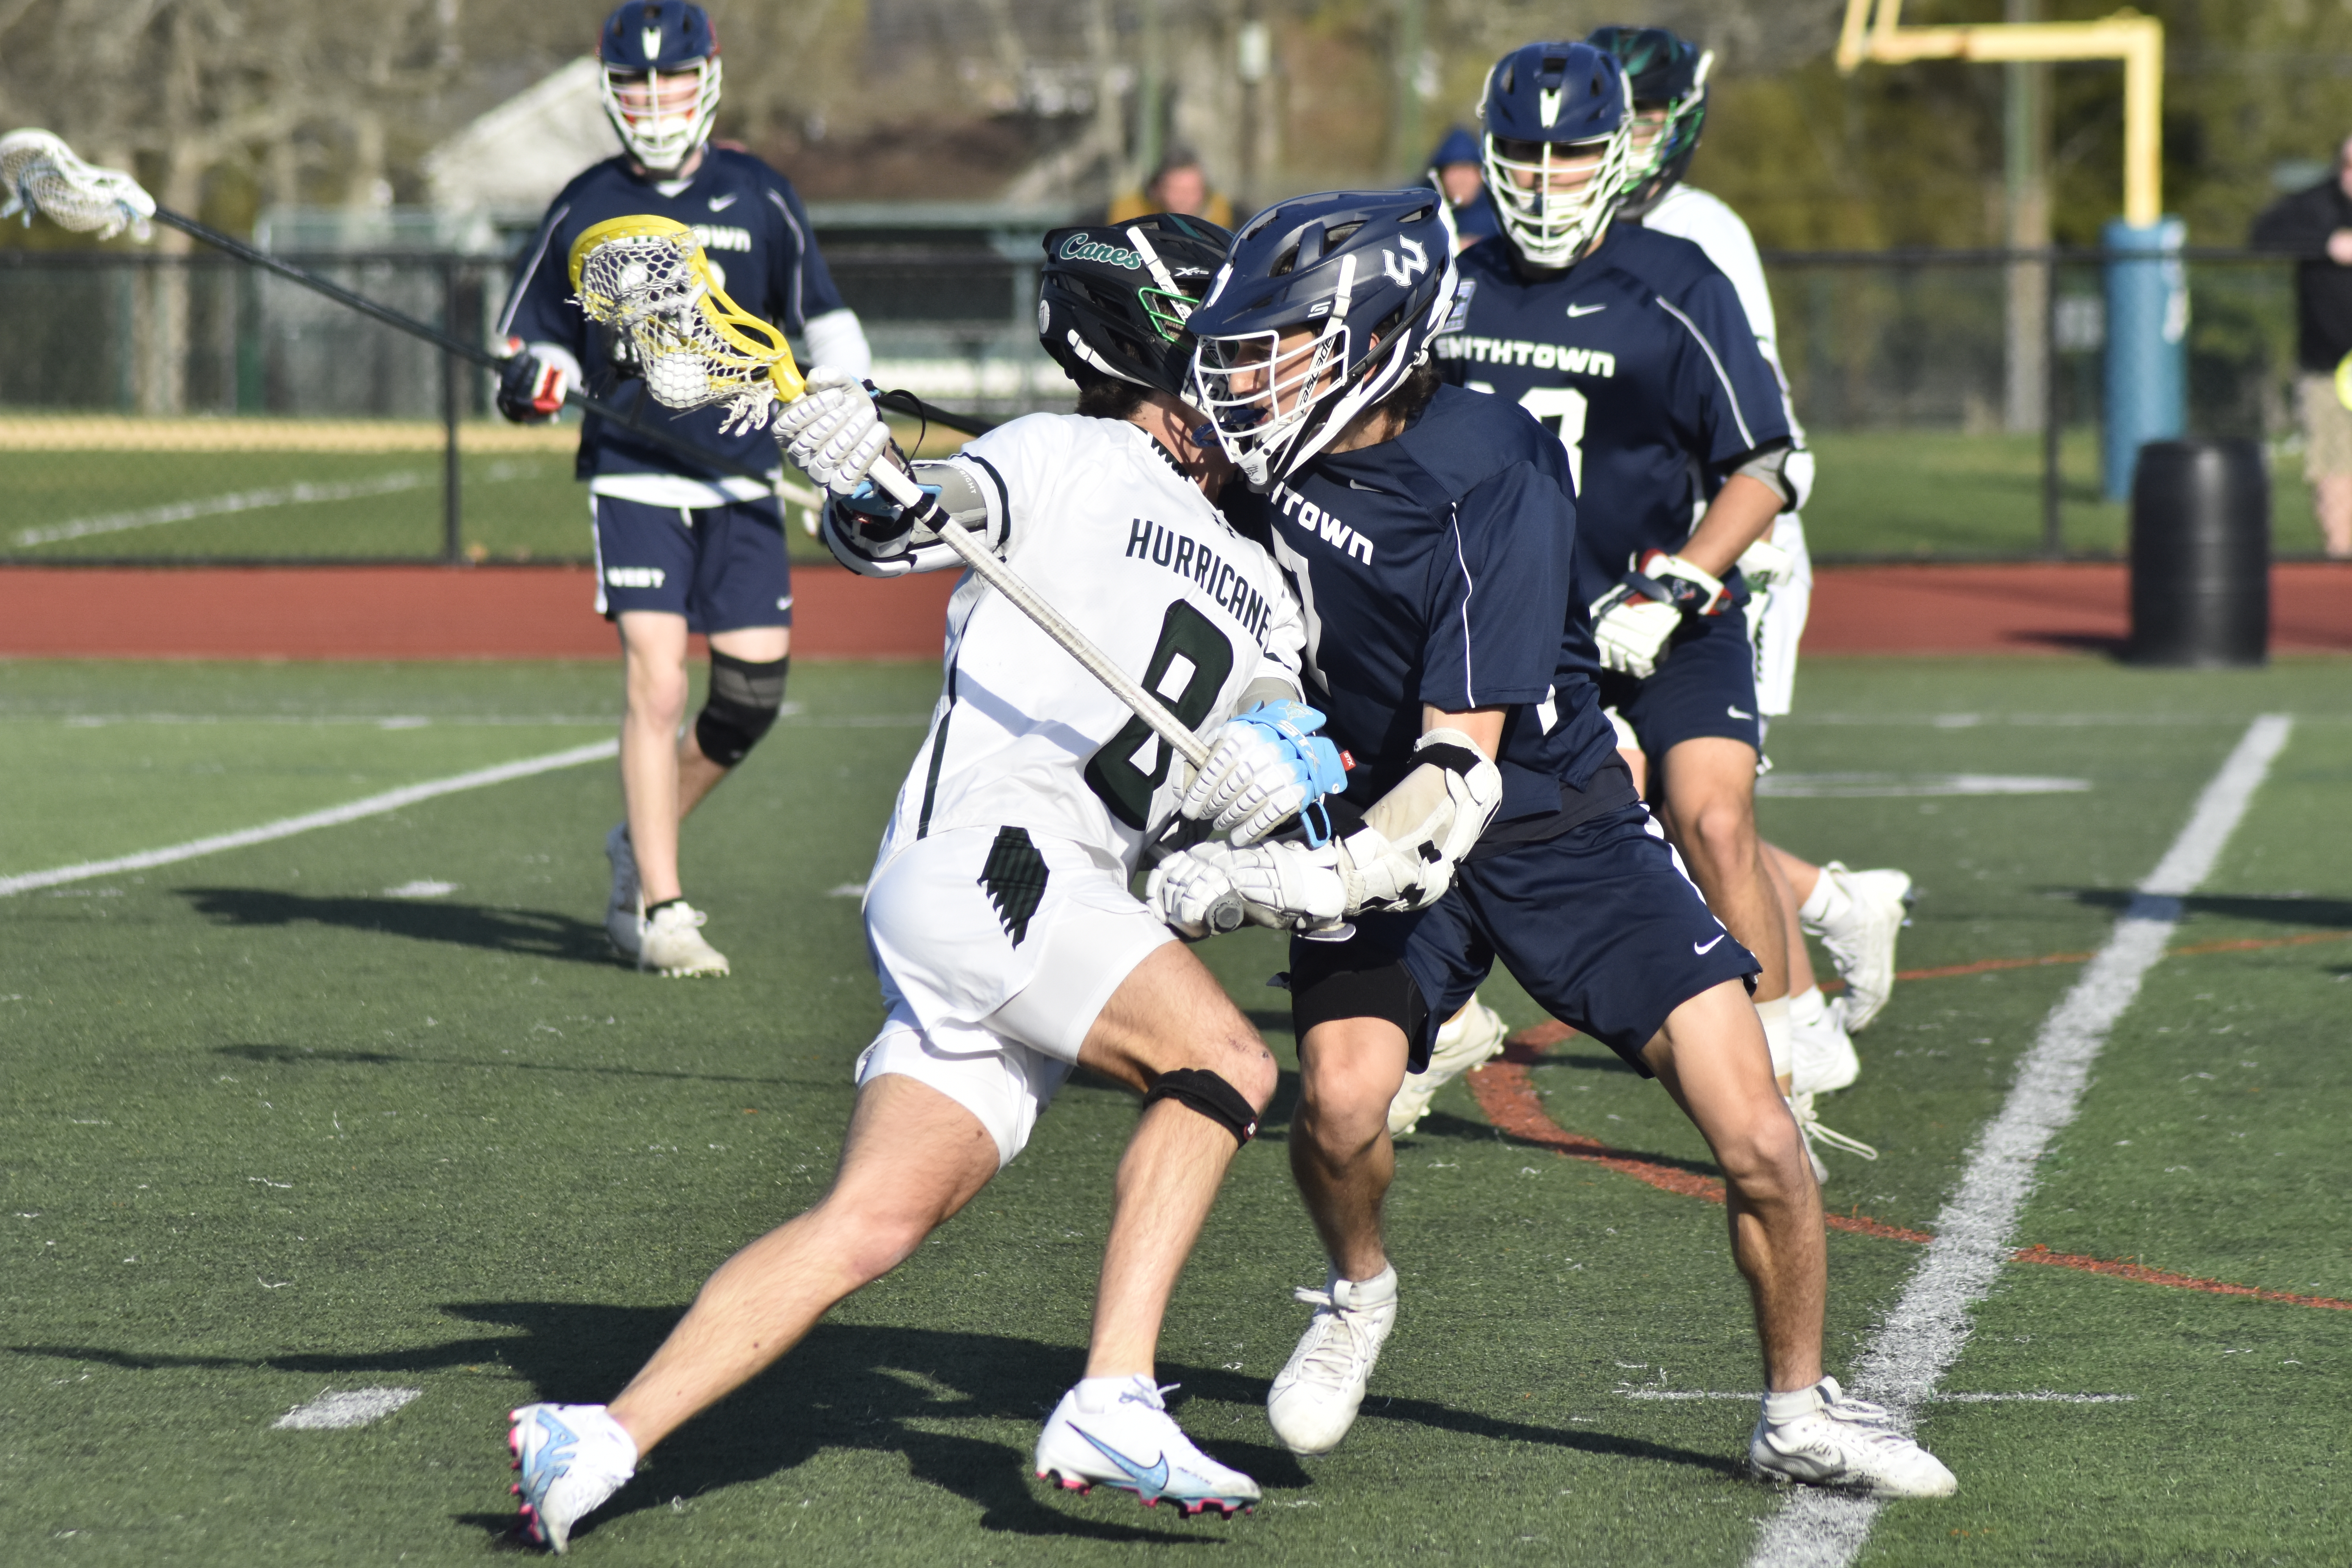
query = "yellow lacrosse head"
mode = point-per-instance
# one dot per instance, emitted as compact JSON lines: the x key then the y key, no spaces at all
{"x":649,"y":275}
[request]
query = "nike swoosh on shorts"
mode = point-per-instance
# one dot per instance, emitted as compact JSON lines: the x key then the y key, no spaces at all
{"x":1699,"y":948}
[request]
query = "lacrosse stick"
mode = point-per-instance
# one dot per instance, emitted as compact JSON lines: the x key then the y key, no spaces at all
{"x":38,"y":172}
{"x":648,"y":277}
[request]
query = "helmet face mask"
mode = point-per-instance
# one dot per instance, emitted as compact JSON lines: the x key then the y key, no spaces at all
{"x":1559,"y":148}
{"x":660,"y":81}
{"x":1668,"y":76}
{"x":1328,"y":303}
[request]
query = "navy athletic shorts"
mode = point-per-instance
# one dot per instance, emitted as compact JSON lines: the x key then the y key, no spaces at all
{"x":1600,"y":925}
{"x":721,"y":567}
{"x":1704,"y":686}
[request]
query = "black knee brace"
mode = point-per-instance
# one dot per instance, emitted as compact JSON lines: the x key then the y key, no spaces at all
{"x":1209,"y":1095}
{"x":744,"y":700}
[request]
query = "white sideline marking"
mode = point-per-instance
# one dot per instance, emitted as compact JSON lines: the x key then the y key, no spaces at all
{"x":220,"y":506}
{"x":333,"y":816}
{"x":423,"y":887}
{"x":1924,"y":1335}
{"x":2038,"y":1396}
{"x":1888,"y":786}
{"x":356,"y":1407}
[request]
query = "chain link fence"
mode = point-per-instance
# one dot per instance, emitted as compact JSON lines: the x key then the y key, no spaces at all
{"x":159,"y":409}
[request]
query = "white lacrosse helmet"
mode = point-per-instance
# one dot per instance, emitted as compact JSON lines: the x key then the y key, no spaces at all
{"x":665,"y":38}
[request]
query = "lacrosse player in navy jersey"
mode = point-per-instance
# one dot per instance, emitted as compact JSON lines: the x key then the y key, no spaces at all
{"x":1858,"y":914}
{"x":1432,"y":534}
{"x":1635,"y":349}
{"x":681,"y":546}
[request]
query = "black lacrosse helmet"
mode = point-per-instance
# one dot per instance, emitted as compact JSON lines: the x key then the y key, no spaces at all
{"x":1113,"y":298}
{"x":1670,"y":73}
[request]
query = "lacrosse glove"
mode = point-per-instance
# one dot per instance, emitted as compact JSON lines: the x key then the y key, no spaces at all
{"x":1632,"y":622}
{"x":1266,"y":765}
{"x":833,"y":433}
{"x":534,"y":380}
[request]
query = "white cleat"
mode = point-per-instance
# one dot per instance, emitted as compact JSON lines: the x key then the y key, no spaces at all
{"x":1133,"y":1444}
{"x":1800,"y":1106}
{"x":1822,"y":1054}
{"x":622,"y":921}
{"x":1861,"y":936}
{"x":1471,"y":1036}
{"x":1314,"y":1398}
{"x":671,"y":943}
{"x":1818,"y":1436}
{"x":572,"y":1458}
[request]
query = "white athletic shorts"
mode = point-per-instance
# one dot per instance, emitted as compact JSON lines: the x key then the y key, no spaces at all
{"x":1782,"y":624}
{"x":997,"y":948}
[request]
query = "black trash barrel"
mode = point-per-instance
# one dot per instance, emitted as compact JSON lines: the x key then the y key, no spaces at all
{"x":2200,"y":554}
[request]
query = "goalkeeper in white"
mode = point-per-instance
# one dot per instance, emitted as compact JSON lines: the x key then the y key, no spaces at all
{"x":999,"y":915}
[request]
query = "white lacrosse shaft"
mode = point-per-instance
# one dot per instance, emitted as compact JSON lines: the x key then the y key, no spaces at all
{"x":900,"y":487}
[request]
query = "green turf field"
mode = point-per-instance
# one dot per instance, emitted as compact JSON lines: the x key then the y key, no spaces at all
{"x":272,"y":1129}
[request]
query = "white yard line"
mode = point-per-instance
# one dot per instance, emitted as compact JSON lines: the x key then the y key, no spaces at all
{"x":1921,"y":1338}
{"x":354,"y":1407}
{"x":220,"y":506}
{"x":333,"y":816}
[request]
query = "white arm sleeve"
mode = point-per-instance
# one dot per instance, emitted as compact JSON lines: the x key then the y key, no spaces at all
{"x":836,"y":339}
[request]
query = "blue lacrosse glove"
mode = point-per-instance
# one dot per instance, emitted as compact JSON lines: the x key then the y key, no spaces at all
{"x":1268,"y":765}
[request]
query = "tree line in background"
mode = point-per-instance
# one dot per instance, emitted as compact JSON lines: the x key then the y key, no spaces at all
{"x":228,"y":106}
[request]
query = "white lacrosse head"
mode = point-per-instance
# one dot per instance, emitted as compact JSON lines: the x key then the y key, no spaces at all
{"x":648,"y":277}
{"x":39,"y":172}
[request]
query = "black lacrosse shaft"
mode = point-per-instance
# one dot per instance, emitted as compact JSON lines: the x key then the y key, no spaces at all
{"x":480,"y":355}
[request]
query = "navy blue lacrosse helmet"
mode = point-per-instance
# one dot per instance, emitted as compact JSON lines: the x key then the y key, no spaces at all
{"x":660,"y":124}
{"x":1669,"y":76}
{"x":1559,"y":147}
{"x":1360,"y":281}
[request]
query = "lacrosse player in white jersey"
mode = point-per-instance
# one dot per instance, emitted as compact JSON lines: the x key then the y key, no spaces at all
{"x":998,"y":915}
{"x":1857,"y":914}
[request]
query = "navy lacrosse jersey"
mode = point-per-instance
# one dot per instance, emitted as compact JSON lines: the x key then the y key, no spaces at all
{"x":756,"y":234}
{"x":1436,"y":568}
{"x":1642,"y":360}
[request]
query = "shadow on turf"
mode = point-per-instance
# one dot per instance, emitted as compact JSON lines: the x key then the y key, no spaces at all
{"x":306,"y":1055}
{"x":858,"y":1387}
{"x":539,"y":934}
{"x":2323,"y":914}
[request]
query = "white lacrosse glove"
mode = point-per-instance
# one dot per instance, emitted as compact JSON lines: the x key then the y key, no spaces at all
{"x":1285,"y":885}
{"x":1268,"y":765}
{"x":833,"y":433}
{"x":1765,"y":566}
{"x":1632,"y":622}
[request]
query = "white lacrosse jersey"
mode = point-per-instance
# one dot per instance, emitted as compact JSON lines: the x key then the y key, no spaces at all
{"x":1094,"y":516}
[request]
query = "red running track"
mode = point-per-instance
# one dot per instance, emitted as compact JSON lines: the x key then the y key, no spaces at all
{"x":542,"y":612}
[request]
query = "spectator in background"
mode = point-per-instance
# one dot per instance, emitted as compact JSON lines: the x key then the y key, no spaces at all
{"x":2317,"y":225}
{"x":1456,"y":170}
{"x":1181,"y":185}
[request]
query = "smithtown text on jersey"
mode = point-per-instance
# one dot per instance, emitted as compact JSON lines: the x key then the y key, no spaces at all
{"x":1518,"y":350}
{"x":1225,"y":587}
{"x":1323,"y":524}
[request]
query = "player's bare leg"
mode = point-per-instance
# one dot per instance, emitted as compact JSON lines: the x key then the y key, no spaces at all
{"x":2331,"y":498}
{"x":1709,"y":808}
{"x":1171,"y":1012}
{"x":664,"y":775}
{"x":1340,"y":1154}
{"x":1711,"y":1057}
{"x":911,"y":1160}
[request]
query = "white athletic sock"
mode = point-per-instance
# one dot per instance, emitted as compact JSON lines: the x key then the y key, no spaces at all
{"x":1096,"y":1394}
{"x":1809,"y":1007}
{"x":1827,"y":902}
{"x":1381,"y":1287}
{"x":1793,"y":1405}
{"x":1777,"y":1034}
